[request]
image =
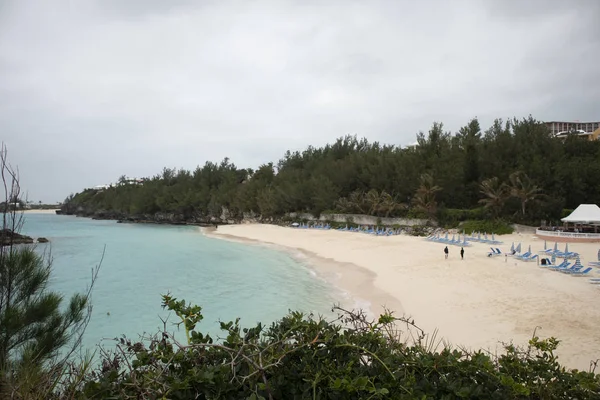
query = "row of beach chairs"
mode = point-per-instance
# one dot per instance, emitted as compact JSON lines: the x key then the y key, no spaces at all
{"x":476,"y":237}
{"x":559,"y":254}
{"x":527,"y":256}
{"x":577,"y":269}
{"x":446,"y":240}
{"x":312,"y":226}
{"x":372,"y":230}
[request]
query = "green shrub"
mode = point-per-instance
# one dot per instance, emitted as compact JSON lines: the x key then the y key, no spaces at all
{"x":566,"y":212}
{"x":452,"y":217}
{"x":416,"y":214}
{"x":490,"y":226}
{"x":300,"y":357}
{"x":419,"y":230}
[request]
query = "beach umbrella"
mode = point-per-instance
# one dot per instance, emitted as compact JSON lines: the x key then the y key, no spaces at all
{"x":529,"y":249}
{"x":598,"y":255}
{"x":566,"y":248}
{"x":555,"y":247}
{"x":545,"y":246}
{"x":512,"y":247}
{"x":518,"y":249}
{"x":553,"y":259}
{"x":453,"y":237}
{"x":295,"y":224}
{"x":446,"y":235}
{"x":493,"y":237}
{"x":478,"y":235}
{"x":577,"y":263}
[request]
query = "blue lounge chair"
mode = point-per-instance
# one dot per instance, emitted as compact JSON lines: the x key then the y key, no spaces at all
{"x":581,"y":273}
{"x":530,"y":258}
{"x":563,"y":265}
{"x":494,"y":252}
{"x":523,"y":256}
{"x":547,"y":264}
{"x":574,"y":268}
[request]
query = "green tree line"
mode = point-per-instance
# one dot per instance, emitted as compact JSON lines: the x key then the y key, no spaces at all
{"x":515,"y":169}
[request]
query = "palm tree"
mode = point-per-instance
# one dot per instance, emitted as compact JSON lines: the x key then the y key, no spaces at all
{"x":344,"y":205}
{"x":424,"y":199}
{"x":523,"y":188}
{"x":496,"y":194}
{"x":388,"y":204}
{"x":357,"y":199}
{"x":373,"y":199}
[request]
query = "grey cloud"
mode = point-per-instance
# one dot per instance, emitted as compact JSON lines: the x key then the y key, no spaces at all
{"x":91,"y":90}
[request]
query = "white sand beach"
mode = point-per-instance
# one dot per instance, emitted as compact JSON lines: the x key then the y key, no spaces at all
{"x":478,"y":302}
{"x":39,"y":211}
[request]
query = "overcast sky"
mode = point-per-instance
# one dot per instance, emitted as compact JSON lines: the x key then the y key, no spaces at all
{"x":91,"y":90}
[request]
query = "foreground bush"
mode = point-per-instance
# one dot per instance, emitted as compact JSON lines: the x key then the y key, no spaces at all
{"x":302,"y":358}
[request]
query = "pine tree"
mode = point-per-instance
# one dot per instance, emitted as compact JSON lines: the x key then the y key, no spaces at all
{"x":38,"y":333}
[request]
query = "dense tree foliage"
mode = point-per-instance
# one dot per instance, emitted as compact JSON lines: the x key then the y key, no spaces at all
{"x":514,"y":169}
{"x":299,"y":357}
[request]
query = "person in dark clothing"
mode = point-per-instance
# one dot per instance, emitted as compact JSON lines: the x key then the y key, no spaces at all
{"x":462,"y":253}
{"x":446,"y":252}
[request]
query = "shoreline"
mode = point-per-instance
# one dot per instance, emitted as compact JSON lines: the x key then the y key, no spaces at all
{"x":49,"y":211}
{"x":364,"y":296}
{"x":477,"y":303}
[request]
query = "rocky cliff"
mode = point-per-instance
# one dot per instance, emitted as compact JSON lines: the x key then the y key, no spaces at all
{"x":156,"y":218}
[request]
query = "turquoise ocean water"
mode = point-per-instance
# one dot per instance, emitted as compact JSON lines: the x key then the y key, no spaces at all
{"x":142,"y":262}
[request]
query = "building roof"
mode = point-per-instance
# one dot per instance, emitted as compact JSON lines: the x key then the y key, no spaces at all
{"x":571,"y":122}
{"x":585,"y":214}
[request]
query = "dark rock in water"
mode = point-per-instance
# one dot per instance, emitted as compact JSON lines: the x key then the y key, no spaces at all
{"x":59,"y":212}
{"x":8,"y":237}
{"x":120,"y":221}
{"x":42,"y":240}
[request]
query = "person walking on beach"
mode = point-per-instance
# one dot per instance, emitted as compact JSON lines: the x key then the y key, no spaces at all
{"x":462,"y":253}
{"x":446,"y":252}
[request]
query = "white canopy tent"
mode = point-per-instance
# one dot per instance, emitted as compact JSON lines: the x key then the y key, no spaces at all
{"x":588,"y":214}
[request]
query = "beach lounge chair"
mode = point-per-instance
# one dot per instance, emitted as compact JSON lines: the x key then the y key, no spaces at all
{"x":494,"y":252}
{"x":548,"y":263}
{"x":530,"y":258}
{"x":573,"y":268}
{"x":523,"y":256}
{"x":550,"y":251}
{"x":563,"y":265}
{"x":581,"y":273}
